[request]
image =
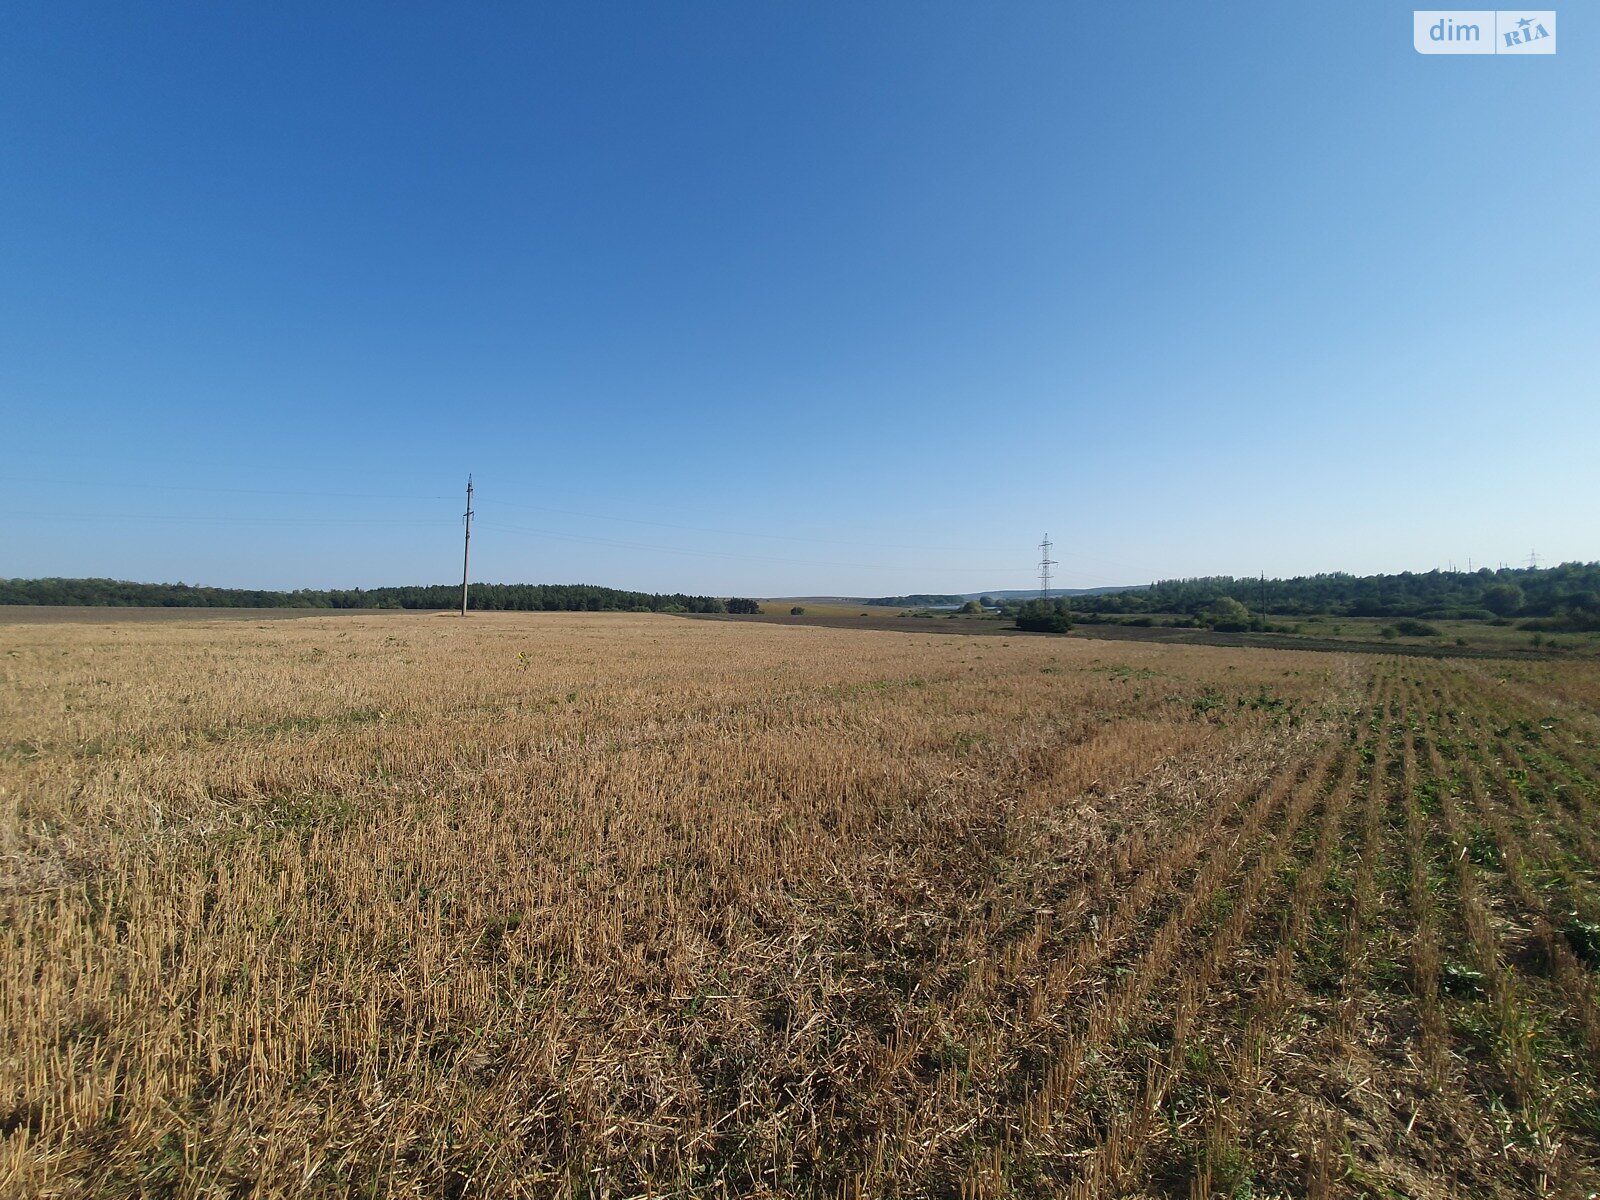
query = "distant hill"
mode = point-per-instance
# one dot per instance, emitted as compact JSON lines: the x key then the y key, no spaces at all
{"x":1032,"y":593}
{"x":934,"y":599}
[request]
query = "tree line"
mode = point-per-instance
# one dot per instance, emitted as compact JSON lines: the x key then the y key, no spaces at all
{"x":1568,"y":594}
{"x":490,"y":597}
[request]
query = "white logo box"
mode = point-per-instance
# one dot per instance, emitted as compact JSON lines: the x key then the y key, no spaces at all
{"x":1484,"y":31}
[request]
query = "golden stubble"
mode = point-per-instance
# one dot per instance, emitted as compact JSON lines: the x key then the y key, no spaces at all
{"x":605,"y":904}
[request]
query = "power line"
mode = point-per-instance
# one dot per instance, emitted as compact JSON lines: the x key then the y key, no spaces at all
{"x":1045,"y":563}
{"x":767,"y":537}
{"x":795,"y":562}
{"x":996,"y":572}
{"x":753,"y":535}
{"x":186,"y":519}
{"x":189,"y":487}
{"x":1110,"y":564}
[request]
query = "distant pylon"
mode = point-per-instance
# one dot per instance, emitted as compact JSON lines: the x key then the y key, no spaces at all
{"x":1045,"y":563}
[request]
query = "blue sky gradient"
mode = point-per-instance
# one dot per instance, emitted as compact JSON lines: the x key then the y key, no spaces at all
{"x":784,"y":299}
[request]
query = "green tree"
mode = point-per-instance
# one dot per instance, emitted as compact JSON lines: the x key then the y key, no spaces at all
{"x":1227,"y":615}
{"x":1503,"y":599}
{"x":1044,"y":616}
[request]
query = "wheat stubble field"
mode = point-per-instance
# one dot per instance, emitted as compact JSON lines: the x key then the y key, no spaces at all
{"x":613,"y":905}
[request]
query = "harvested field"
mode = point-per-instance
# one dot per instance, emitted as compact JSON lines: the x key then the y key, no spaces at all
{"x":616,"y":905}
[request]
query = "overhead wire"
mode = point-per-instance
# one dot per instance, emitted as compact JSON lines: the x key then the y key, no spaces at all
{"x":575,"y":537}
{"x":227,"y":520}
{"x":1073,"y":570}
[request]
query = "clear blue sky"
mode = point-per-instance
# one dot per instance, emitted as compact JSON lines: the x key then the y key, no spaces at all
{"x":790,"y":298}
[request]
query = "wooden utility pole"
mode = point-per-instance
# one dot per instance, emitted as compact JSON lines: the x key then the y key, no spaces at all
{"x":466,"y":548}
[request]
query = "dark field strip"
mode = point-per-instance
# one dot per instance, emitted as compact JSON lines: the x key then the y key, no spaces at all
{"x":1151,"y":635}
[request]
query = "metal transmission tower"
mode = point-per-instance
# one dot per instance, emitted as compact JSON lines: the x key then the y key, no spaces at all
{"x":466,"y":547}
{"x":1045,"y":563}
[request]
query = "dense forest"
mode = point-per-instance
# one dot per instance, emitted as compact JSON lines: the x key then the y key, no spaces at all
{"x":546,"y":597}
{"x":1569,"y":593}
{"x":920,"y":600}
